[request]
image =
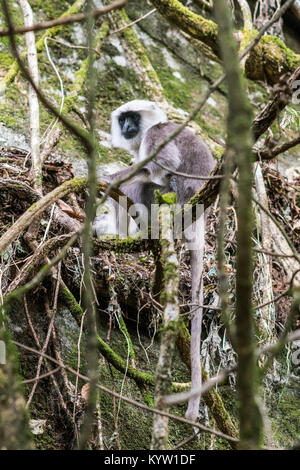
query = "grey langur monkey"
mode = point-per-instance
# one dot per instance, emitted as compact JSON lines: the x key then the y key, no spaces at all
{"x":139,"y":127}
{"x":129,"y":124}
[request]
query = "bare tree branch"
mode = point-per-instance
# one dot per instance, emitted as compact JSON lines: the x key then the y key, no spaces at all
{"x":69,"y":19}
{"x":34,"y":113}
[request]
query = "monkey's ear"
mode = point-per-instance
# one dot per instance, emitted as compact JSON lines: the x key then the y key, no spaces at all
{"x":142,"y":176}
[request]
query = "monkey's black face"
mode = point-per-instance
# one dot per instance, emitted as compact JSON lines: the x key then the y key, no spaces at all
{"x":130,"y":124}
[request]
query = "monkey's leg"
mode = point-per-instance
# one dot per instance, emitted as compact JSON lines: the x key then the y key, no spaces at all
{"x":105,"y":222}
{"x":196,"y":322}
{"x":112,"y":217}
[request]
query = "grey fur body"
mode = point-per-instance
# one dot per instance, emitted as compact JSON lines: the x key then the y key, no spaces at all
{"x":187,"y":153}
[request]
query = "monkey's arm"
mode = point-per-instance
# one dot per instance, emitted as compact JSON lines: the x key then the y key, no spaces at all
{"x":140,"y":176}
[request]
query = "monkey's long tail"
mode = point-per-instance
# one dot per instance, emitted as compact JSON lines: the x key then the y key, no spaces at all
{"x":196,"y":323}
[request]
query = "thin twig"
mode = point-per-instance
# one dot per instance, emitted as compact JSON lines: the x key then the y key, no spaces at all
{"x":130,"y":400}
{"x":42,"y":376}
{"x":66,"y":44}
{"x":133,"y":22}
{"x":218,"y":379}
{"x":69,"y":19}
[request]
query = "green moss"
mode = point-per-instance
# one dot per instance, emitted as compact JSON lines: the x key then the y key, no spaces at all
{"x":131,"y":244}
{"x":74,"y":8}
{"x":270,"y":59}
{"x":140,"y":377}
{"x":80,"y":76}
{"x":218,"y":152}
{"x":70,"y":147}
{"x":247,"y":37}
{"x":76,"y":183}
{"x":17,"y":19}
{"x":45,"y":441}
{"x":184,"y":94}
{"x":285,"y":414}
{"x":282,"y":53}
{"x":175,"y":90}
{"x":125,"y":331}
{"x":147,"y":397}
{"x":50,"y":10}
{"x":168,"y":198}
{"x":108,"y":155}
{"x":72,"y":304}
{"x":170,"y":272}
{"x":184,"y":18}
{"x":5,"y":60}
{"x":151,"y":90}
{"x":116,"y":85}
{"x":13,"y":109}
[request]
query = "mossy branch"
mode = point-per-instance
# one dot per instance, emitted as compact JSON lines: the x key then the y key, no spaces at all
{"x":192,"y":23}
{"x":267,"y":61}
{"x":127,"y":245}
{"x":141,"y":378}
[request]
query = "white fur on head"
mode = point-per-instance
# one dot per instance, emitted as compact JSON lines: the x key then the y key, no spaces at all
{"x":150,"y":113}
